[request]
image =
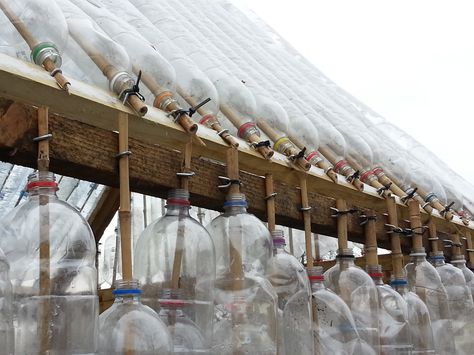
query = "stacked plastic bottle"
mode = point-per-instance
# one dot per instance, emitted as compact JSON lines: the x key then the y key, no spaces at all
{"x":421,"y":333}
{"x":460,"y":302}
{"x":6,"y":311}
{"x":290,"y":281}
{"x":394,"y":329}
{"x":460,"y":262}
{"x":334,"y":328}
{"x":358,"y":290}
{"x":426,"y":282}
{"x":245,"y":301}
{"x":176,"y":254}
{"x":129,"y":327}
{"x":51,"y":251}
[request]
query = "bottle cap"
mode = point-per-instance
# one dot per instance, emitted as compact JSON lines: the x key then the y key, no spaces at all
{"x":316,"y":273}
{"x":278,"y":238}
{"x":178,"y":197}
{"x":127,"y":287}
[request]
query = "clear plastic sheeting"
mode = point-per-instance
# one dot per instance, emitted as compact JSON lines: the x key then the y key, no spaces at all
{"x":129,"y":327}
{"x":290,"y":281}
{"x":426,"y":282}
{"x":47,"y":231}
{"x":6,"y":307}
{"x":176,"y":253}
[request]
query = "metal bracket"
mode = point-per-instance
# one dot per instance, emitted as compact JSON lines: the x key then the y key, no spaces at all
{"x":45,"y":137}
{"x":336,"y":213}
{"x":272,"y":195}
{"x":353,"y":176}
{"x":448,"y":243}
{"x":410,"y":195}
{"x":306,"y":209}
{"x":226,"y":182}
{"x":298,"y":156}
{"x":446,"y":209}
{"x":365,"y":219}
{"x":187,"y":174}
{"x":381,"y":190}
{"x":123,"y":154}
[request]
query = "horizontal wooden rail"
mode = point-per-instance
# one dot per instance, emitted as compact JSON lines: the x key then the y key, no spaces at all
{"x":84,"y":145}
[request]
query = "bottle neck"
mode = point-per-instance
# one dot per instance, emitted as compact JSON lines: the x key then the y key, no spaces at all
{"x":345,"y":261}
{"x":177,"y":210}
{"x":376,"y":273}
{"x":418,"y":256}
{"x":233,"y":210}
{"x":317,"y":285}
{"x":401,"y":286}
{"x":437,"y":261}
{"x":42,"y":191}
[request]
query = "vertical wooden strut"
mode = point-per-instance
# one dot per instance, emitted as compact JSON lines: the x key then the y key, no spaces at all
{"x":469,"y":248}
{"x":415,"y":224}
{"x":456,"y":239}
{"x":397,"y":256}
{"x":44,"y":244}
{"x":183,"y":184}
{"x":270,"y":199}
{"x":124,"y":211}
{"x":317,"y":250}
{"x":371,"y":239}
{"x":433,"y":236}
{"x":341,"y":205}
{"x":306,"y":211}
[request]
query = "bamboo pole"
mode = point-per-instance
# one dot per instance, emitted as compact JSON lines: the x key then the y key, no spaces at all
{"x":371,"y":178}
{"x":371,"y":240}
{"x":44,"y":237}
{"x":125,"y":207}
{"x":341,"y":205}
{"x":109,"y":70}
{"x":470,"y":249}
{"x":270,"y":199}
{"x":334,"y":159}
{"x":234,"y":118}
{"x":289,"y":149}
{"x":306,"y":211}
{"x":317,"y":251}
{"x":184,"y":184}
{"x":30,"y":39}
{"x":456,"y":239}
{"x":290,"y":237}
{"x":433,"y":238}
{"x":213,"y":123}
{"x":416,"y":196}
{"x":397,"y":256}
{"x":415,"y":224}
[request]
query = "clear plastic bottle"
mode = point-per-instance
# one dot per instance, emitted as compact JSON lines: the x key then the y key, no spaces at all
{"x":334,"y":328}
{"x":129,"y":327}
{"x":176,"y":252}
{"x":426,"y":282}
{"x":56,"y":311}
{"x":6,"y":312}
{"x":461,"y":306}
{"x":186,"y":336}
{"x":290,"y":281}
{"x":358,"y":290}
{"x":460,"y":262}
{"x":394,"y":329}
{"x":418,"y":319}
{"x":245,"y":301}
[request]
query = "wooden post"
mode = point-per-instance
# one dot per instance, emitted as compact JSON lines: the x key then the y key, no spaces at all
{"x":415,"y":224}
{"x":371,"y":240}
{"x":306,"y":211}
{"x":317,"y":251}
{"x":44,"y":237}
{"x":341,"y":205}
{"x":470,"y":249}
{"x":270,"y":199}
{"x":456,"y":239}
{"x":433,"y":238}
{"x":397,"y":256}
{"x":124,"y":211}
{"x":290,"y":237}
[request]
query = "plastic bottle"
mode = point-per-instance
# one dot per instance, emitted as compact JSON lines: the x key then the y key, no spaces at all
{"x":334,"y":328}
{"x":460,"y":262}
{"x":461,"y":306}
{"x":245,"y":301}
{"x":186,"y":336}
{"x":6,"y":312}
{"x":358,"y":290}
{"x":176,"y":252}
{"x":426,"y":282}
{"x":291,"y":284}
{"x":394,"y":329}
{"x":56,"y":312}
{"x":418,"y":319}
{"x":129,"y":327}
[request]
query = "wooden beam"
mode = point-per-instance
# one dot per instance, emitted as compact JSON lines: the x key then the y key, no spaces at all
{"x":87,"y":152}
{"x":104,"y":212}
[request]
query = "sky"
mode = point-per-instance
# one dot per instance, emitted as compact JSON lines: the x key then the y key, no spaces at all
{"x":412,"y":61}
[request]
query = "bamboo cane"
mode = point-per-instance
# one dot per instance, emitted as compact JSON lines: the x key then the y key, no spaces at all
{"x":124,"y":211}
{"x":397,"y":256}
{"x":322,"y":164}
{"x":214,"y":123}
{"x":178,"y":253}
{"x":270,"y":199}
{"x":233,"y":117}
{"x":470,"y":249}
{"x":306,"y":211}
{"x":44,"y":243}
{"x":317,"y":251}
{"x":448,"y":215}
{"x":334,"y":159}
{"x":109,"y":70}
{"x":457,"y":246}
{"x":30,"y":39}
{"x":290,"y":238}
{"x":415,"y":224}
{"x":341,"y":205}
{"x":371,"y":240}
{"x":403,"y":194}
{"x":290,"y":150}
{"x":371,"y":178}
{"x":433,"y":236}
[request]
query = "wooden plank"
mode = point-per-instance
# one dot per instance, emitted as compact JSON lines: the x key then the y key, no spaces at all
{"x":75,"y":151}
